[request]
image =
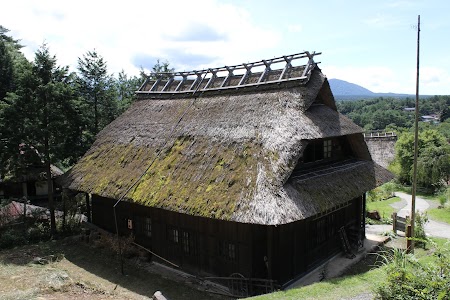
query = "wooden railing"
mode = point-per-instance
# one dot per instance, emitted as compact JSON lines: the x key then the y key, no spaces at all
{"x":240,"y":286}
{"x":379,"y":134}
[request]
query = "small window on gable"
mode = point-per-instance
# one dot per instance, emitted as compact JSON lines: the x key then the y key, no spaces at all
{"x":326,"y":149}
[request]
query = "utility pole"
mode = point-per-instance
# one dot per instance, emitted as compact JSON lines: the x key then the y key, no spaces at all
{"x":416,"y":147}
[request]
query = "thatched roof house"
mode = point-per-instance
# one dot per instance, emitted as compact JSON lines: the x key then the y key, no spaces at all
{"x":232,"y":144}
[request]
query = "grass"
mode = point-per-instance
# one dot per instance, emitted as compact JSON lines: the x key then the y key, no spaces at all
{"x":383,"y":207}
{"x":338,"y":288}
{"x":362,"y":282}
{"x":439,"y":214}
{"x":83,"y":271}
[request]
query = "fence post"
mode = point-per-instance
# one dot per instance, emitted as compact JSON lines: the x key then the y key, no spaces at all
{"x":394,"y":222}
{"x":408,"y":239}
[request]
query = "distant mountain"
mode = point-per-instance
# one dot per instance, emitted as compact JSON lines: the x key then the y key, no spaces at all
{"x":343,"y":90}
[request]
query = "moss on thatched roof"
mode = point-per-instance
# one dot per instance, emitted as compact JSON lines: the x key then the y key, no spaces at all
{"x":230,"y":157}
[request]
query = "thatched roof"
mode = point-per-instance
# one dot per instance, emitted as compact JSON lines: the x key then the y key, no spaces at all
{"x":227,"y":156}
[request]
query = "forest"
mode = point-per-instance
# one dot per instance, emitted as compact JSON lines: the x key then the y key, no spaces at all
{"x":397,"y":115}
{"x":54,"y":110}
{"x":50,"y":115}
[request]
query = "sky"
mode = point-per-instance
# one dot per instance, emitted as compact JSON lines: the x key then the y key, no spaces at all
{"x":369,"y":43}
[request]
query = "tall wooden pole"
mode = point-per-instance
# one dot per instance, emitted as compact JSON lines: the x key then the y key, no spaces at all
{"x":416,"y":139}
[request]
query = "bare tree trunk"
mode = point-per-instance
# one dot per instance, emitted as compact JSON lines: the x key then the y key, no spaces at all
{"x":95,"y":115}
{"x":88,"y":207}
{"x":51,"y":203}
{"x":25,"y":199}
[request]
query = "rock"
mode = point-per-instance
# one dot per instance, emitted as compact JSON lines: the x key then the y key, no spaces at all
{"x":374,"y":215}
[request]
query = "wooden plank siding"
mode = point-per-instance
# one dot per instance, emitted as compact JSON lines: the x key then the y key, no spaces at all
{"x":206,"y":247}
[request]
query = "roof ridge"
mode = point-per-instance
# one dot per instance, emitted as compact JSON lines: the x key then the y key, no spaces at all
{"x":230,"y":78}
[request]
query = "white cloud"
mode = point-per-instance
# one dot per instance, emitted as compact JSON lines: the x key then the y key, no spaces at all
{"x":433,"y":79}
{"x":382,"y":21}
{"x":295,"y":28}
{"x":120,"y":31}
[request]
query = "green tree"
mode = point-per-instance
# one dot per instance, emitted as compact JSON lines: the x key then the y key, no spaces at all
{"x":126,"y":88}
{"x":97,"y":88}
{"x":14,"y":115}
{"x":6,"y":71}
{"x":41,"y":111}
{"x":433,"y":167}
{"x":9,"y":54}
{"x":429,"y":139}
{"x":159,"y":67}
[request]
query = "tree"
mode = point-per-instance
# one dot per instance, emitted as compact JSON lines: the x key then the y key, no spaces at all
{"x":433,"y":167}
{"x":41,"y":111}
{"x":432,"y":146}
{"x":14,"y":117}
{"x":126,"y":88}
{"x":159,"y":67}
{"x":9,"y":54}
{"x":97,"y":89}
{"x":6,"y":71}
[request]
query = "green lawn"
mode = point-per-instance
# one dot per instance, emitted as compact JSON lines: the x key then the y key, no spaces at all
{"x":337,"y":288}
{"x":439,"y":214}
{"x":383,"y":207}
{"x":349,"y":286}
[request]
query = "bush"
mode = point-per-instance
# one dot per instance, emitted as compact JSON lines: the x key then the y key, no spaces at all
{"x":444,"y":196}
{"x":18,"y":235}
{"x":382,"y":192}
{"x":419,"y":229}
{"x":11,"y":238}
{"x":409,"y":279}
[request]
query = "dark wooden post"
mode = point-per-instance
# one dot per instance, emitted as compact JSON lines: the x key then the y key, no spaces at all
{"x":64,"y":196}
{"x":394,"y":222}
{"x":269,"y":251}
{"x":88,"y":208}
{"x":364,"y":203}
{"x":409,"y":240}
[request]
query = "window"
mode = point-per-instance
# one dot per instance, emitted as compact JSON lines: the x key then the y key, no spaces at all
{"x":231,"y":252}
{"x":144,"y":226}
{"x":327,"y":148}
{"x":227,"y":250}
{"x":173,"y":235}
{"x":147,"y":227}
{"x":186,"y":242}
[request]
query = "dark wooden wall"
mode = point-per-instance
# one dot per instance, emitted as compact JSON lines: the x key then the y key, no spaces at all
{"x":204,"y":245}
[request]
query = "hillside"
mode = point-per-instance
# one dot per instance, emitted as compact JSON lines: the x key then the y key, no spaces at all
{"x":344,"y":90}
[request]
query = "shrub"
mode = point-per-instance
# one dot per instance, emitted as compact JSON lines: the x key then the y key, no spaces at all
{"x":420,"y":236}
{"x":11,"y":238}
{"x":409,"y":279}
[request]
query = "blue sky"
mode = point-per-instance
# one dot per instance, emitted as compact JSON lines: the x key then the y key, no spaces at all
{"x":370,"y":43}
